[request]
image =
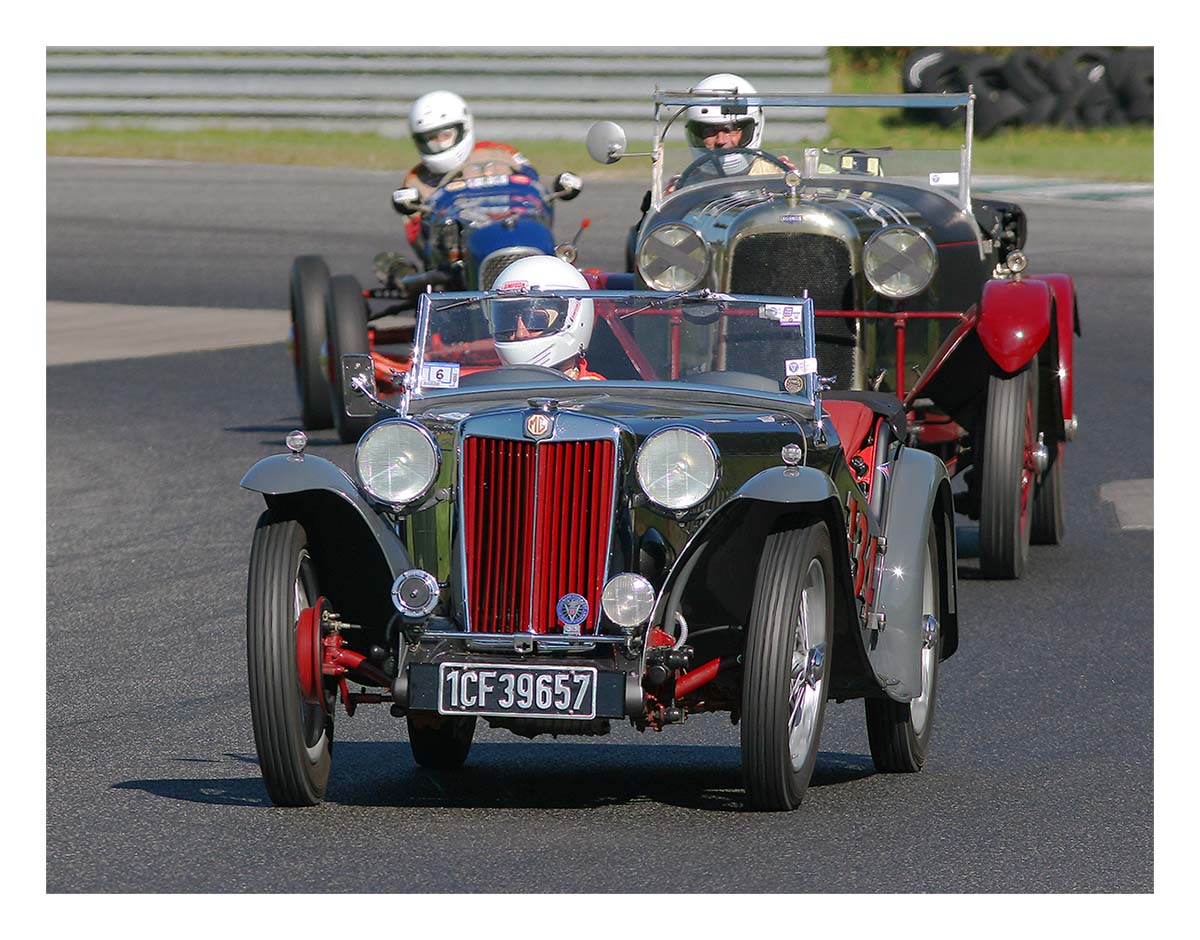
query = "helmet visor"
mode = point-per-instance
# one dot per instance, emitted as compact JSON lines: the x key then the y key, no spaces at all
{"x":439,"y":139}
{"x":701,"y":134}
{"x":520,"y":318}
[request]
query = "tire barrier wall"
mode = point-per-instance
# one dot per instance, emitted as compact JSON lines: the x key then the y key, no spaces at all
{"x":1080,"y":87}
{"x":516,"y":93}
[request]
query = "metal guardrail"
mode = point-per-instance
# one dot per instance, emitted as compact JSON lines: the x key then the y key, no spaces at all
{"x":517,"y":93}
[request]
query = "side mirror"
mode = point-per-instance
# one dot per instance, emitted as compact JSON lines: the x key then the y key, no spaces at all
{"x":358,"y":386}
{"x":406,"y":200}
{"x":606,"y":142}
{"x":567,"y":186}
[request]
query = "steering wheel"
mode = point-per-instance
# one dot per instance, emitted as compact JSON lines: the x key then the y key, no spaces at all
{"x":512,"y":375}
{"x":711,"y":165}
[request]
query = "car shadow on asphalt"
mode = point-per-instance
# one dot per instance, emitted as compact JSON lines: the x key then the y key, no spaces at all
{"x":519,"y":775}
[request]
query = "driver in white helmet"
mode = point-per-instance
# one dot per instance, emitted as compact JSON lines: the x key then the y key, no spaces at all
{"x":727,"y":136}
{"x":543,"y":331}
{"x":444,"y":133}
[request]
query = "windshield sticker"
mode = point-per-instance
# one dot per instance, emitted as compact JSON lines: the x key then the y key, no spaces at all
{"x":439,"y":375}
{"x":943,"y":179}
{"x":800,"y":366}
{"x":786,"y":314}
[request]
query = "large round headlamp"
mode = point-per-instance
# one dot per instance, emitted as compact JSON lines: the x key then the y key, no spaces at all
{"x":673,"y":257}
{"x":899,"y":261}
{"x":677,"y":468}
{"x":397,"y":461}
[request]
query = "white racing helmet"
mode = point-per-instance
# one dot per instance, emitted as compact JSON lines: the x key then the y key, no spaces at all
{"x":703,"y":120}
{"x":443,"y":130}
{"x":559,"y":328}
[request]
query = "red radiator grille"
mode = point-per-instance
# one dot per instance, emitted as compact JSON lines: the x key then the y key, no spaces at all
{"x":522,"y":558}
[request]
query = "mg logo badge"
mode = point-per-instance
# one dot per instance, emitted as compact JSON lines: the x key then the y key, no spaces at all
{"x":538,"y":425}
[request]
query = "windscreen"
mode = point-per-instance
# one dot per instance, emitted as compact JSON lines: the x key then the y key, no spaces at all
{"x":764,"y":344}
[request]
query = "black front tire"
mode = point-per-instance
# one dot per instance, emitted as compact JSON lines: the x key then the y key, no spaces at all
{"x":782,"y":711}
{"x":900,"y":732}
{"x":294,"y":739}
{"x":441,"y":742}
{"x":307,"y":283}
{"x":346,"y":322}
{"x":1049,"y":518}
{"x":1006,"y":481}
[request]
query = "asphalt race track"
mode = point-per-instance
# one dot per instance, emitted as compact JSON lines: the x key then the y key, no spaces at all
{"x":1041,"y":774}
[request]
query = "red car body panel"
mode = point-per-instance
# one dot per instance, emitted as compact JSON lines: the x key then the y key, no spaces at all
{"x":1014,"y":320}
{"x":1063,"y":289}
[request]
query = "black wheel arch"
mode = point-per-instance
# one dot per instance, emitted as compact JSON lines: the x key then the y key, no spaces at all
{"x":719,"y":587}
{"x":351,"y":568}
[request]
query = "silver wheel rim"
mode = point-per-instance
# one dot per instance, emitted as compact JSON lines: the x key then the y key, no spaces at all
{"x":807,"y":689}
{"x":919,"y":706}
{"x":312,"y":718}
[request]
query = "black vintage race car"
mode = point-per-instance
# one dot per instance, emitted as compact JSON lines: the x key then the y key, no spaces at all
{"x":687,"y":530}
{"x":922,"y":291}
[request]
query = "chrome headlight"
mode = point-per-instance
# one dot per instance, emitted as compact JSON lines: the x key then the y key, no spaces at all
{"x":673,"y":257}
{"x":899,"y":261}
{"x":397,"y":461}
{"x":677,"y":468}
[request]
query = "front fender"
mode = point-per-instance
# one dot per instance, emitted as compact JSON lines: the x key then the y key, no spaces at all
{"x":296,"y":476}
{"x":916,"y":477}
{"x":1067,"y":319}
{"x":1014,"y":320}
{"x":726,"y":549}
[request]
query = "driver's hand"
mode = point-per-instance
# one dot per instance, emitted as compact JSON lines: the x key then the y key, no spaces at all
{"x":406,"y":201}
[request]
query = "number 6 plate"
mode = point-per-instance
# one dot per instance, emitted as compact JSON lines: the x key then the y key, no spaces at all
{"x":523,"y":691}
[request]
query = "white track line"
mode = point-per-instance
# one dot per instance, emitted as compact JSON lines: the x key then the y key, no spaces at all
{"x":1133,"y":500}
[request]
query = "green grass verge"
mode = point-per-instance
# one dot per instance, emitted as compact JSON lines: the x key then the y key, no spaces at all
{"x":1115,"y":153}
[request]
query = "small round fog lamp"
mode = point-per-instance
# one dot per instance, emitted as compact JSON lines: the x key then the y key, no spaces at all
{"x":1016,"y":261}
{"x":792,"y":454}
{"x":296,"y":441}
{"x":628,"y":600}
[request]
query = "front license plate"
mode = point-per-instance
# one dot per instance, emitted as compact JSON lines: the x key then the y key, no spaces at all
{"x":528,"y":691}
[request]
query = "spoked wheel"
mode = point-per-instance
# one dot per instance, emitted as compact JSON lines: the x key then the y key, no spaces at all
{"x":900,"y":732}
{"x":1007,"y":477}
{"x":789,"y":645}
{"x":308,"y":281}
{"x":293,"y":733}
{"x":440,"y":742}
{"x":1049,"y":520}
{"x":346,"y":318}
